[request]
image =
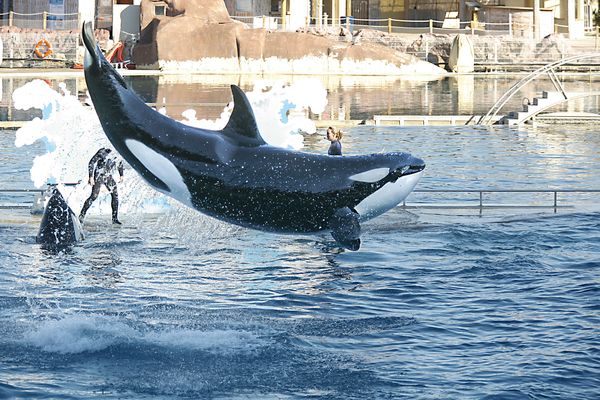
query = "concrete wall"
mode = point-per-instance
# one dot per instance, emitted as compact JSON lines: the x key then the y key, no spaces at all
{"x":126,"y":22}
{"x":87,"y":9}
{"x":248,"y":8}
{"x":430,"y":9}
{"x":392,"y":9}
{"x":522,"y":20}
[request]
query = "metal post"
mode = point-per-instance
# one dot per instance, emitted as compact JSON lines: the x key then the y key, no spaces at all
{"x":480,"y":199}
{"x":11,"y":18}
{"x":389,"y":25}
{"x":510,"y":31}
{"x":431,"y":26}
{"x":333,"y":13}
{"x":45,"y":20}
{"x":264,"y":21}
{"x":472,"y":27}
{"x":496,"y":52}
{"x":319,"y":14}
{"x":283,"y":14}
{"x":536,"y":19}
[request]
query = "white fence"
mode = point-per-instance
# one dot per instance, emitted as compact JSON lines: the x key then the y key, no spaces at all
{"x":43,"y":20}
{"x":391,"y":25}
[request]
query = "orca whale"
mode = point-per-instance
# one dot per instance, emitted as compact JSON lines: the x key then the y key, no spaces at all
{"x":60,"y":227}
{"x":235,"y":176}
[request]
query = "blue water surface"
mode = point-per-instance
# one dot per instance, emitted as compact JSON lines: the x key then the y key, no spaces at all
{"x":436,"y":304}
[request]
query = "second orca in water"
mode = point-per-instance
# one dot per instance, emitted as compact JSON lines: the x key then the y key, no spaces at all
{"x":235,"y":176}
{"x":60,"y":227}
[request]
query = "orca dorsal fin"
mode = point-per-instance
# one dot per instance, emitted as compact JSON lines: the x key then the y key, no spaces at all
{"x":242,"y":124}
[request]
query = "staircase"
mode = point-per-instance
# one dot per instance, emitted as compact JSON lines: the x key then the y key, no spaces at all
{"x":540,"y":104}
{"x":537,"y":105}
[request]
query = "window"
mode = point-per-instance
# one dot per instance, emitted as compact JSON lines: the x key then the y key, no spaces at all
{"x":159,"y":10}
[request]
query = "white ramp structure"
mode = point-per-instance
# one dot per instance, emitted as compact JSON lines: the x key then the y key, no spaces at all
{"x":541,"y":103}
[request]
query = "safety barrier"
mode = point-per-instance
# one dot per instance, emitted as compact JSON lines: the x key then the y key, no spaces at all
{"x":416,"y":26}
{"x":16,"y":204}
{"x":480,"y":201}
{"x":43,"y":20}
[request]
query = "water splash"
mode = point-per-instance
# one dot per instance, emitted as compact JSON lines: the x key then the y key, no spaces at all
{"x":281,"y":111}
{"x":74,"y":334}
{"x":72,"y":134}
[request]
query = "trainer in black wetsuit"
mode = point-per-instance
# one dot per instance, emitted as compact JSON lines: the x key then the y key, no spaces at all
{"x":101,"y":168}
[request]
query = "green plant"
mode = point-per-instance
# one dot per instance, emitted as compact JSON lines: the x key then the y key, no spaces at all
{"x":597,"y":17}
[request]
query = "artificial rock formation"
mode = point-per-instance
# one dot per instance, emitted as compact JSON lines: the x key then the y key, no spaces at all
{"x":200,"y":36}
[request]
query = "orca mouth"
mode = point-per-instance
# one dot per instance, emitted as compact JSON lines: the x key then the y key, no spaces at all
{"x":414,"y":167}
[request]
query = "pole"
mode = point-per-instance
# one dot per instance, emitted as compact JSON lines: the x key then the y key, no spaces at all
{"x":431,"y":26}
{"x":536,"y":19}
{"x":283,"y":14}
{"x":389,"y":25}
{"x":11,"y":18}
{"x":45,"y":19}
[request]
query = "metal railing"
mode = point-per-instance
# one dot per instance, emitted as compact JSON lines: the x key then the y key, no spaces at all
{"x":415,"y":26}
{"x":43,"y":20}
{"x":389,"y":25}
{"x":481,"y":202}
{"x":20,"y":205}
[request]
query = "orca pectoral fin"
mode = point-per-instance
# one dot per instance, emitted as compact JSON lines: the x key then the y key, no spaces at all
{"x":345,"y":228}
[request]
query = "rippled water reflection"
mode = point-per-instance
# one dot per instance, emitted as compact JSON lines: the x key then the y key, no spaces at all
{"x":436,"y":304}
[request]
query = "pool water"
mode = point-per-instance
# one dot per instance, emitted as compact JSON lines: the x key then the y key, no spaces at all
{"x":436,"y":304}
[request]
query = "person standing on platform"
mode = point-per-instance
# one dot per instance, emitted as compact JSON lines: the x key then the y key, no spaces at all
{"x":100,"y":172}
{"x":335,"y":148}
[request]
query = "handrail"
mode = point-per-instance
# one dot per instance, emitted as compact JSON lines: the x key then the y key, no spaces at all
{"x":501,"y":102}
{"x":481,"y":192}
{"x":22,"y":190}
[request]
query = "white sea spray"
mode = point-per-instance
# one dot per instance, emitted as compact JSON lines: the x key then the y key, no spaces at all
{"x":72,"y":134}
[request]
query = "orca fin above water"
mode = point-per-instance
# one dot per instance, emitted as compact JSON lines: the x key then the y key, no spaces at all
{"x":345,"y":228}
{"x":242,"y":125}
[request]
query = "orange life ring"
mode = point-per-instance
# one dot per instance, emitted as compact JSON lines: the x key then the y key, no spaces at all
{"x":38,"y":46}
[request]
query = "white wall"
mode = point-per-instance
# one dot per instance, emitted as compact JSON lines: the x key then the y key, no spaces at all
{"x":298,"y":10}
{"x":87,"y":10}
